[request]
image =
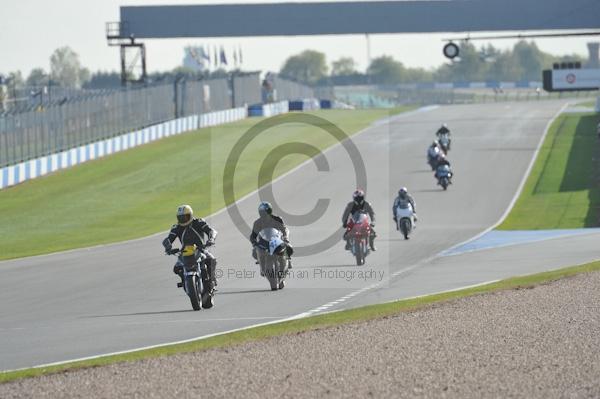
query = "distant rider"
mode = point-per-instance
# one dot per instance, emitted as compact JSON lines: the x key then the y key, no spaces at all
{"x":404,"y":196}
{"x":267,"y":220}
{"x":193,"y":231}
{"x":441,"y":161}
{"x":443,"y":130}
{"x":434,"y":150}
{"x":359,"y":204}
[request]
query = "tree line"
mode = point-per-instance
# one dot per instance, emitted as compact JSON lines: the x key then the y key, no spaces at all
{"x":66,"y":71}
{"x":524,"y":62}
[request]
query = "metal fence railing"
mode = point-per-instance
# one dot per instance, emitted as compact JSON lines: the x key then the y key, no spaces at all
{"x":29,"y":98}
{"x":71,"y":122}
{"x":246,"y":90}
{"x":286,"y":90}
{"x":381,"y":96}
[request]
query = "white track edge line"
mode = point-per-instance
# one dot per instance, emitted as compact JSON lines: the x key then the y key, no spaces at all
{"x":296,"y":317}
{"x":202,"y":337}
{"x":519,"y":189}
{"x":305,"y":314}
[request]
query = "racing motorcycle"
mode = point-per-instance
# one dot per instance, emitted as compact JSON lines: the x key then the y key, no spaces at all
{"x":195,"y":281}
{"x":358,"y":230}
{"x":445,"y":142}
{"x":405,"y":218}
{"x":444,"y":176}
{"x":432,"y":155}
{"x":271,"y":253}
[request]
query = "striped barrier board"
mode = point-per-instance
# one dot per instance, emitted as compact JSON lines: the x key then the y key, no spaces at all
{"x":15,"y":174}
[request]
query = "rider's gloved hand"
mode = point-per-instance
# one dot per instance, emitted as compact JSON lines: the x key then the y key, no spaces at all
{"x":210,"y":243}
{"x":373,"y":225}
{"x":168,"y":250}
{"x":345,"y":225}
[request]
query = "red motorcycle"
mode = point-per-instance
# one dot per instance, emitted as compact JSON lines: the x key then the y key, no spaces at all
{"x":358,"y":231}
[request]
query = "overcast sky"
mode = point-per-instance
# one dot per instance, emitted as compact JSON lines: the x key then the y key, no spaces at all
{"x":30,"y":30}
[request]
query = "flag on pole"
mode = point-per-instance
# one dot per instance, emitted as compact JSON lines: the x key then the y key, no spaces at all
{"x":223,"y":57}
{"x":204,"y":54}
{"x":195,"y":54}
{"x":205,"y":57}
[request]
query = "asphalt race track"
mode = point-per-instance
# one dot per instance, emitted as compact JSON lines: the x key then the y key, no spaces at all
{"x":123,"y":296}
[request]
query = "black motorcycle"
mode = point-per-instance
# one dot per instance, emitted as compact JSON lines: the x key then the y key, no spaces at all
{"x":444,"y":176}
{"x":191,"y":267}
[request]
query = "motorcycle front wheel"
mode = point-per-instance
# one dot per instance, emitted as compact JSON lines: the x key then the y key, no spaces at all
{"x":405,"y":227}
{"x":359,"y":253}
{"x":271,"y":269}
{"x":191,"y":288}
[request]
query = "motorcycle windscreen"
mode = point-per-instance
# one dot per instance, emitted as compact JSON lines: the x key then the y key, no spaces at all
{"x":443,"y":170}
{"x":360,"y":218}
{"x":404,"y":204}
{"x":267,"y":234}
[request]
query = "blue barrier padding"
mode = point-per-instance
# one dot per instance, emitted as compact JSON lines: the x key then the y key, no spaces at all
{"x":255,"y":110}
{"x":297,"y":105}
{"x":325,"y":104}
{"x":462,"y":85}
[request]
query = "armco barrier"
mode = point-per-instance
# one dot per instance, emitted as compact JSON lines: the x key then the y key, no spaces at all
{"x":15,"y":174}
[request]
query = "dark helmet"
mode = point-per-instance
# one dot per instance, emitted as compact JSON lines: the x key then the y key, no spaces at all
{"x":265,"y":208}
{"x":444,"y":126}
{"x":359,"y":197}
{"x":402,"y":193}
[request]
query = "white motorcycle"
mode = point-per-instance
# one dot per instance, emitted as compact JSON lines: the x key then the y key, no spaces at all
{"x":271,"y":254}
{"x":405,"y":218}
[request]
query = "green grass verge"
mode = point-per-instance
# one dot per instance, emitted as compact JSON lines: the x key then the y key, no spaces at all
{"x":563,"y":189}
{"x":590,"y":104}
{"x":311,"y":323}
{"x":135,"y":193}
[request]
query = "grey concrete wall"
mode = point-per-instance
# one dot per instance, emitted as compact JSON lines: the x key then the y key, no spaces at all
{"x":358,"y":17}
